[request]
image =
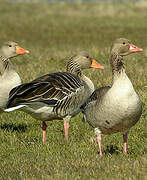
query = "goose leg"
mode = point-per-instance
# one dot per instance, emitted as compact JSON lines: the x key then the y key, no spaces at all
{"x":66,"y":126}
{"x":99,"y":140}
{"x":125,"y":135}
{"x":44,"y":126}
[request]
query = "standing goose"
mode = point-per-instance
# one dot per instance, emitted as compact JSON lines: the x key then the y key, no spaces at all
{"x":8,"y":77}
{"x":114,"y":108}
{"x":57,"y":95}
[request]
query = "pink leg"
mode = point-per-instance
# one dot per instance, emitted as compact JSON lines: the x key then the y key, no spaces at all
{"x":125,"y":143}
{"x":66,"y":127}
{"x":44,"y":126}
{"x":99,"y":140}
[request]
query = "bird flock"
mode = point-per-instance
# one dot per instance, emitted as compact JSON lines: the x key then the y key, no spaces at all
{"x":62,"y":95}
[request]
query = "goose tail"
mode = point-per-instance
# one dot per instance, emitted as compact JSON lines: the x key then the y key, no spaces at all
{"x":14,"y":108}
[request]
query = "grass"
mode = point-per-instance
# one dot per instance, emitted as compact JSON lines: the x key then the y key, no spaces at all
{"x":53,"y":32}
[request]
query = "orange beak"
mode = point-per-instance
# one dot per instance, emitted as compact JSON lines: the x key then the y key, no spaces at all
{"x":20,"y":50}
{"x":96,"y":65}
{"x":134,"y":49}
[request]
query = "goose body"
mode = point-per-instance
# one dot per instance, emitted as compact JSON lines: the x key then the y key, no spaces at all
{"x":118,"y":110}
{"x":57,"y":95}
{"x":9,"y":78}
{"x":64,"y":95}
{"x":115,"y":108}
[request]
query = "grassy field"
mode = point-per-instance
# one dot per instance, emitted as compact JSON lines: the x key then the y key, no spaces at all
{"x":52,"y":33}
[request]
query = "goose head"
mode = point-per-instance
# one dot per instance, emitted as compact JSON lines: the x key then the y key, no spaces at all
{"x":11,"y":49}
{"x":124,"y":47}
{"x":84,"y":61}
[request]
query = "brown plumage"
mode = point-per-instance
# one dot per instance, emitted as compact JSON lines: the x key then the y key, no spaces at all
{"x":8,"y":77}
{"x":57,"y":95}
{"x":116,"y":108}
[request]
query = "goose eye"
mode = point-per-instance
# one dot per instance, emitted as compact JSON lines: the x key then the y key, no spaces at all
{"x":10,"y":45}
{"x":124,"y":43}
{"x":87,"y":56}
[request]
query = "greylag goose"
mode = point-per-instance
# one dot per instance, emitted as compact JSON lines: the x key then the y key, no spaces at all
{"x":114,"y":108}
{"x":57,"y":95}
{"x":8,"y":77}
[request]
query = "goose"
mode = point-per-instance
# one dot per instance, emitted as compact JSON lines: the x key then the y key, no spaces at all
{"x":57,"y":95}
{"x":114,"y":108}
{"x":8,"y":77}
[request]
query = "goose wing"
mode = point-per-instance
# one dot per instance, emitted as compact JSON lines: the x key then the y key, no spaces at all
{"x":54,"y":90}
{"x":97,"y":95}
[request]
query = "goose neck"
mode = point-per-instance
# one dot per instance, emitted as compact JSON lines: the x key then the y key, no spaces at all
{"x":74,"y":68}
{"x":118,"y":67}
{"x":4,"y":65}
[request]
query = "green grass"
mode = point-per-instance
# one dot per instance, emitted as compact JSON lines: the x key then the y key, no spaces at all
{"x":52,"y":33}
